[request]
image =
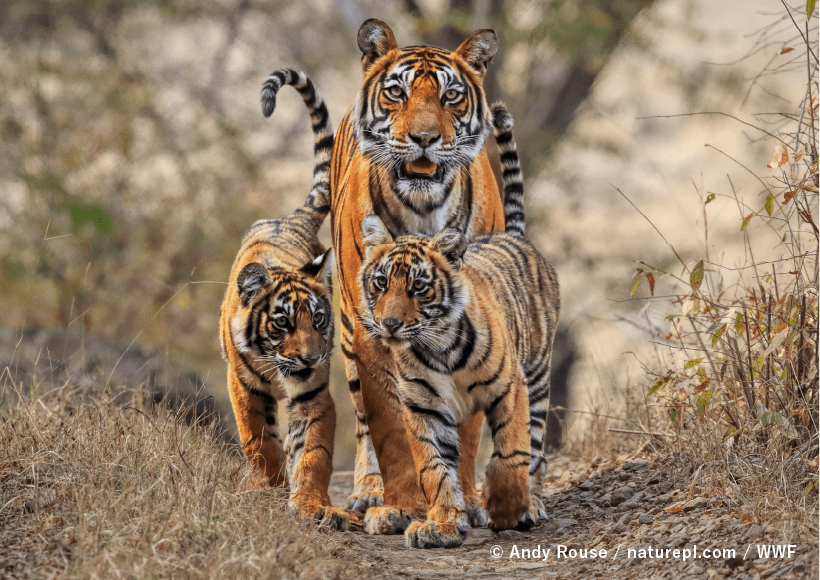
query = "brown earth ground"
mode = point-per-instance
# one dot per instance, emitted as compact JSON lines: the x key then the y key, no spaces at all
{"x":597,"y":504}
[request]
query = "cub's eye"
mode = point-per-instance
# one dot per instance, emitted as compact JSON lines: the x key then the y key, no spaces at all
{"x":318,"y":318}
{"x":419,"y":285}
{"x":395,"y":92}
{"x":452,"y":96}
{"x":380,"y":281}
{"x":279,"y":322}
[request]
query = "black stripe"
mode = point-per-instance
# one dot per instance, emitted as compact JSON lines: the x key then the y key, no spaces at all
{"x":354,"y":386}
{"x":307,"y":396}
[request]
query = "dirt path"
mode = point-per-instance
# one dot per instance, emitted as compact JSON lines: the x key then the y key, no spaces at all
{"x":600,"y":505}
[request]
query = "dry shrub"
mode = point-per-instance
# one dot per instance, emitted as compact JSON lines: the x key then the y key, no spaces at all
{"x":741,"y":390}
{"x":94,"y":489}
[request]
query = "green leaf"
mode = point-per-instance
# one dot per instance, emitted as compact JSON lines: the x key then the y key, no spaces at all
{"x":692,"y":363}
{"x":635,"y":287}
{"x":718,"y":333}
{"x":746,"y":221}
{"x":709,"y":198}
{"x":696,"y":277}
{"x":809,"y":8}
{"x":739,"y":323}
{"x":658,"y":385}
{"x":769,"y":204}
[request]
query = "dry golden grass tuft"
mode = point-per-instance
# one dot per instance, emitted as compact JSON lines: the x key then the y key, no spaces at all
{"x":94,"y":489}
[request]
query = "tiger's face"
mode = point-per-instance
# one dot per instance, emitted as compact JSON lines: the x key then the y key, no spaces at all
{"x":421,"y":112}
{"x":412,"y":289}
{"x":284,"y":321}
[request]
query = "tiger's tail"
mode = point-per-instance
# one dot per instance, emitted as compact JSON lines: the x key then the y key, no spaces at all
{"x":511,"y":177}
{"x":317,"y":204}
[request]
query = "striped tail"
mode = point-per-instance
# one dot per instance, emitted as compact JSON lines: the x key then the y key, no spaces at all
{"x":511,"y":177}
{"x":317,"y":203}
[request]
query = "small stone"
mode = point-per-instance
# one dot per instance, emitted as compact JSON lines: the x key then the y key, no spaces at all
{"x":695,"y":504}
{"x":623,"y":476}
{"x":634,"y":465}
{"x":510,"y":535}
{"x":618,"y":529}
{"x":755,"y":532}
{"x":588,"y":485}
{"x":645,"y":519}
{"x":566,"y":522}
{"x":620,"y":495}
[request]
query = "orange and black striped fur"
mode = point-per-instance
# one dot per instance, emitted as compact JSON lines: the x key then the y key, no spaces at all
{"x":410,"y":151}
{"x":276,"y":331}
{"x":470,"y":327}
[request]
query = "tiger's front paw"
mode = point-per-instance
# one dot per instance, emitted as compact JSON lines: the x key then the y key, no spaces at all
{"x":436,"y":534}
{"x":536,"y":508}
{"x":369,"y":493}
{"x":386,"y":520}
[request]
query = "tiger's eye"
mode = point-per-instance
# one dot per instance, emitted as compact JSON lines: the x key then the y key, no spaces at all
{"x":419,"y":285}
{"x":452,"y":95}
{"x":380,"y":282}
{"x":318,"y":318}
{"x":395,"y":92}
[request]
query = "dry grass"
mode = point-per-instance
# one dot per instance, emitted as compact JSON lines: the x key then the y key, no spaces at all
{"x":93,"y":489}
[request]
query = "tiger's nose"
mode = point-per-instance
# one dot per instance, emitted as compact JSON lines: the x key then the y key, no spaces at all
{"x":391,"y":324}
{"x":424,"y":138}
{"x":310,"y":359}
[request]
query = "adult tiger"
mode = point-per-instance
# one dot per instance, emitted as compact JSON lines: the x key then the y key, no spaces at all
{"x":410,"y":151}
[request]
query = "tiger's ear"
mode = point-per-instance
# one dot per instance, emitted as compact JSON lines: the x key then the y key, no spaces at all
{"x":452,"y":243}
{"x":375,"y":40}
{"x":374,"y":233}
{"x":320,"y":268}
{"x":250,"y":280}
{"x":479,"y":50}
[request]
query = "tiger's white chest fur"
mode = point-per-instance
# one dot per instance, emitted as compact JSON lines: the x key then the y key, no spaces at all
{"x":426,"y":224}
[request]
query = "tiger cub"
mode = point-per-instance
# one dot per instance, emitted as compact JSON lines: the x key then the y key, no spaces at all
{"x":471,"y":328}
{"x":276,"y":332}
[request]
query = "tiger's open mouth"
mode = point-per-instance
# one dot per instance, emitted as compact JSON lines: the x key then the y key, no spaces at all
{"x":421,"y":168}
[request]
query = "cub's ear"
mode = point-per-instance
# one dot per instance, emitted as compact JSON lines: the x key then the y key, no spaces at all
{"x":479,"y":50}
{"x":251,"y":279}
{"x":320,"y":267}
{"x":451,"y":243}
{"x":374,"y":233}
{"x":375,"y":40}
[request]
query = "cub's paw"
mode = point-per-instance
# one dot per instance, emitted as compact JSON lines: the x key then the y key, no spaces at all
{"x":386,"y":520}
{"x":433,"y":534}
{"x":537,"y":507}
{"x":476,"y":513}
{"x":338,"y":519}
{"x":527,"y":521}
{"x":369,"y":494}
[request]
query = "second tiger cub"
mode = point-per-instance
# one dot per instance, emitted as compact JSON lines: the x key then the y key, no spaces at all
{"x":470,"y":327}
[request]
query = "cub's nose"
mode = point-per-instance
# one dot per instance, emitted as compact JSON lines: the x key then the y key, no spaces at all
{"x":310,"y":359}
{"x":424,"y":138}
{"x":391,"y":324}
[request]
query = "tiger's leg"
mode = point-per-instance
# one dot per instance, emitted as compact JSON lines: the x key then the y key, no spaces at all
{"x":539,"y":406}
{"x":367,"y":481}
{"x":433,"y":438}
{"x":309,"y":448}
{"x":469,"y":435}
{"x":506,"y":491}
{"x":402,"y":497}
{"x":255,"y":414}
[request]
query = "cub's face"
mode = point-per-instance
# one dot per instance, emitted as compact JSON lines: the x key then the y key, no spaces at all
{"x":284,"y":321}
{"x":422,"y":113}
{"x":411,"y":288}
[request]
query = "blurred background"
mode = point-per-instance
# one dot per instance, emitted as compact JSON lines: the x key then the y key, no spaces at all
{"x":134,"y":154}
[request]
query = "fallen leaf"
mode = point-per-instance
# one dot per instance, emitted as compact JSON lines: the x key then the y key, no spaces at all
{"x":651,"y":278}
{"x":811,"y":187}
{"x":785,"y":50}
{"x":779,"y":157}
{"x":799,"y":154}
{"x":746,"y":221}
{"x":789,"y":195}
{"x":675,"y":509}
